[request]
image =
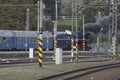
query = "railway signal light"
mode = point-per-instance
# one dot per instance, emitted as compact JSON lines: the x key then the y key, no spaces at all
{"x":83,"y":45}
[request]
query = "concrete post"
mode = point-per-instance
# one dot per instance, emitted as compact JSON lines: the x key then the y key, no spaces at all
{"x":31,"y":52}
{"x":58,"y":58}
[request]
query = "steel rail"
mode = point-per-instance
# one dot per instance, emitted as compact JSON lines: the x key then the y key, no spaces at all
{"x":70,"y":75}
{"x":25,"y":52}
{"x":50,"y":59}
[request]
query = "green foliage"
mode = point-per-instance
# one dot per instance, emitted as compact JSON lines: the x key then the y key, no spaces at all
{"x":49,"y":6}
{"x":89,"y":15}
{"x":64,"y":27}
{"x":64,"y":22}
{"x":14,"y":17}
{"x":67,"y":24}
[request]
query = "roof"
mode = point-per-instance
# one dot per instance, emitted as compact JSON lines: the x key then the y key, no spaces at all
{"x":25,"y":33}
{"x":20,"y":33}
{"x":30,"y":33}
{"x":5,"y":33}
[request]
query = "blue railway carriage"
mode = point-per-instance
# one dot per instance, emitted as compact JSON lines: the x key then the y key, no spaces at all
{"x":23,"y":40}
{"x":48,"y":41}
{"x":6,"y":40}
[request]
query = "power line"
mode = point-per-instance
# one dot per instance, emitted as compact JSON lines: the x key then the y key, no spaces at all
{"x":17,"y":5}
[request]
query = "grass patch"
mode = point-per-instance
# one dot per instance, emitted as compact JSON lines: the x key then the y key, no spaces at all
{"x":64,"y":22}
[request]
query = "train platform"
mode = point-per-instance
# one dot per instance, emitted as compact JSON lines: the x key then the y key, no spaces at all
{"x":32,"y":71}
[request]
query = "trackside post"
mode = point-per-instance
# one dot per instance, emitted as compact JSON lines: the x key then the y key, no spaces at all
{"x":83,"y":43}
{"x":40,"y":32}
{"x":74,"y":44}
{"x":58,"y":56}
{"x":40,"y":55}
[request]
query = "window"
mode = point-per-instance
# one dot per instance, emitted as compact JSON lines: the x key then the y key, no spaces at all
{"x":5,"y":40}
{"x":0,"y":40}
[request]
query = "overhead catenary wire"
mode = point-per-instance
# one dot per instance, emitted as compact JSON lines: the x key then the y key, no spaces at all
{"x":17,"y":5}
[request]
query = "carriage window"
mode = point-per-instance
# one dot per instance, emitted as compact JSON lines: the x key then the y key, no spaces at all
{"x":0,"y":40}
{"x":23,"y":40}
{"x":20,"y":40}
{"x":5,"y":40}
{"x":33,"y":40}
{"x":44,"y":39}
{"x":29,"y":40}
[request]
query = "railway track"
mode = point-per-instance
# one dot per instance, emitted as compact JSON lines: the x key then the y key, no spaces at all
{"x":50,"y":59}
{"x":21,"y":57}
{"x":25,"y":54}
{"x":75,"y":74}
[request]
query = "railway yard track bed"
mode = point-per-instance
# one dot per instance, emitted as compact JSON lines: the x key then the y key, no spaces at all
{"x":32,"y":71}
{"x":76,"y":74}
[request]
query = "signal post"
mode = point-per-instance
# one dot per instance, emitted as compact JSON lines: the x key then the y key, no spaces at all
{"x":55,"y":27}
{"x":114,"y":29}
{"x":40,"y":32}
{"x":83,"y":43}
{"x":74,"y":42}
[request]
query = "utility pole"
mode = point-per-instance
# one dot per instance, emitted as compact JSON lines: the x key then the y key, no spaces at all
{"x":55,"y":26}
{"x":40,"y":32}
{"x":99,"y":34}
{"x":110,"y":12}
{"x":74,"y":42}
{"x":27,"y":19}
{"x":114,"y":28}
{"x":76,"y":8}
{"x":38,"y":17}
{"x":83,"y":35}
{"x":27,"y":26}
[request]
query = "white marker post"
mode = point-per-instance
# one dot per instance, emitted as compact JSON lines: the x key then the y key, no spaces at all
{"x":58,"y":56}
{"x":31,"y":52}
